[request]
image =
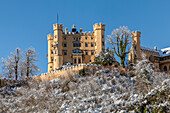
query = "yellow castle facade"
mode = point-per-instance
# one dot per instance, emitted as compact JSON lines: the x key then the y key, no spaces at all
{"x":160,"y":58}
{"x":75,"y":47}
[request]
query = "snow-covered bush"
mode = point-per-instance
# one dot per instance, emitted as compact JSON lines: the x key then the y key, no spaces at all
{"x":144,"y":68}
{"x":105,"y":58}
{"x":102,"y":90}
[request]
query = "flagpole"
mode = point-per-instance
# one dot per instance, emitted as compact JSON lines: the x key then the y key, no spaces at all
{"x":57,"y":18}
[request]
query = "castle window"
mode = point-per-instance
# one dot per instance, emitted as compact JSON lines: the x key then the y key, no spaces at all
{"x":91,"y":38}
{"x":65,"y":45}
{"x":65,"y":52}
{"x":76,"y":44}
{"x":103,"y":36}
{"x":64,"y":38}
{"x":165,"y":68}
{"x":92,"y":45}
{"x":92,"y":53}
{"x":50,"y":66}
{"x":79,"y":60}
{"x":77,"y":51}
{"x":102,"y":43}
{"x":149,"y":58}
{"x":55,"y":51}
{"x":135,"y":55}
{"x":75,"y":60}
{"x":51,"y":51}
{"x":86,"y":44}
{"x":86,"y":52}
{"x":52,"y":59}
{"x":90,"y":60}
{"x":86,"y":38}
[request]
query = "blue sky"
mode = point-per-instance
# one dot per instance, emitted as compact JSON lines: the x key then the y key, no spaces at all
{"x":26,"y":23}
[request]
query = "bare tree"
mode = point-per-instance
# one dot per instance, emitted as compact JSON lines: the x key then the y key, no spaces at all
{"x":31,"y":67}
{"x":22,"y":68}
{"x":16,"y":59}
{"x":7,"y":67}
{"x":119,"y":40}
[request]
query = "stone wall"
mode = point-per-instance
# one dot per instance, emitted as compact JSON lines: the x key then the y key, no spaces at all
{"x":63,"y":73}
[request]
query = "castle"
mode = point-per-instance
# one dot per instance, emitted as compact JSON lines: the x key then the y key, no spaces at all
{"x":160,"y":58}
{"x":75,"y":47}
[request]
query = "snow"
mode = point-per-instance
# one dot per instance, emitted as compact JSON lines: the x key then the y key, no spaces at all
{"x":162,"y":53}
{"x":149,"y":49}
{"x":101,"y":92}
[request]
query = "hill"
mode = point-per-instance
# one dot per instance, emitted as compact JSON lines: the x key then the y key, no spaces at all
{"x":102,"y":90}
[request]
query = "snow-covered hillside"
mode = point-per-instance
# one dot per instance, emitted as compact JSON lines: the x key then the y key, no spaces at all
{"x":98,"y":90}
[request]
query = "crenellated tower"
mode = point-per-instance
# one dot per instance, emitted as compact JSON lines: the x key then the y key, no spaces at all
{"x":99,"y":33}
{"x":57,"y":45}
{"x":135,"y":52}
{"x":50,"y":52}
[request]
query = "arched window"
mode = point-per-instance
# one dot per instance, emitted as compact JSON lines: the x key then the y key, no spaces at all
{"x":77,"y":51}
{"x":79,"y":60}
{"x":165,"y":68}
{"x":86,"y":44}
{"x":86,"y":52}
{"x":75,"y":61}
{"x":92,"y":53}
{"x":91,"y":44}
{"x":52,"y":59}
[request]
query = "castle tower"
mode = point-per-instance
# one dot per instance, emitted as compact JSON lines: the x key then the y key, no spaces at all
{"x":50,"y":52}
{"x":99,"y":33}
{"x":135,"y":53}
{"x":57,"y":45}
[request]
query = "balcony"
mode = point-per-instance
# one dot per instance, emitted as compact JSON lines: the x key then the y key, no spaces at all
{"x":77,"y":54}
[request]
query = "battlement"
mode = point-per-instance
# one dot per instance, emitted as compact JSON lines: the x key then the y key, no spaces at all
{"x":136,"y":34}
{"x":49,"y":37}
{"x":57,"y":27}
{"x":99,"y":26}
{"x":80,"y":34}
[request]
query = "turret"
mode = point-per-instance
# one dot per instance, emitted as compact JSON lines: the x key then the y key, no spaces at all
{"x":136,"y":47}
{"x":66,"y":30}
{"x":50,"y":53}
{"x":58,"y":58}
{"x":73,"y":28}
{"x":99,"y":33}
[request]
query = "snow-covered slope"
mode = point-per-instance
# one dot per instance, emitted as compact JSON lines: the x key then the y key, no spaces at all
{"x":99,"y":90}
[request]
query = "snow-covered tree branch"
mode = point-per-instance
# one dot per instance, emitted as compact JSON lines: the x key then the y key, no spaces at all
{"x":20,"y":65}
{"x":30,"y":59}
{"x":119,"y":40}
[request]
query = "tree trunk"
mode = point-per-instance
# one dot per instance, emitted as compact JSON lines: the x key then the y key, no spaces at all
{"x":122,"y":62}
{"x":16,"y":71}
{"x":16,"y":64}
{"x":28,"y":66}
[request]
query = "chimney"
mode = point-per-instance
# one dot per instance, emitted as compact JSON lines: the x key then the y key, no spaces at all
{"x":155,"y":48}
